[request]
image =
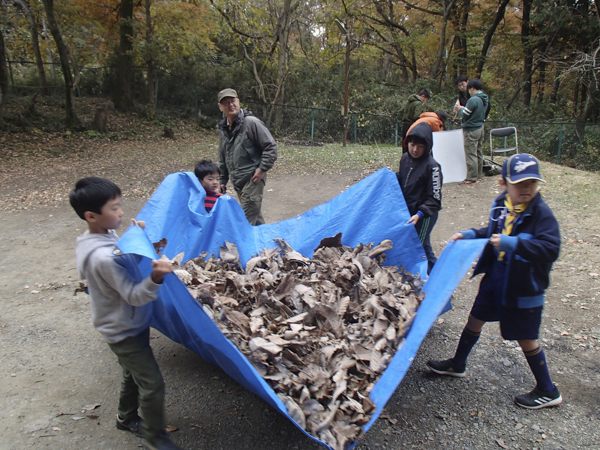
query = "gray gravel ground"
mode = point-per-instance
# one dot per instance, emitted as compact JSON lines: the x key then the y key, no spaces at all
{"x":53,"y":364}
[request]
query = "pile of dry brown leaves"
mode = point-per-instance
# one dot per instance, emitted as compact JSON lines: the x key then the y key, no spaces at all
{"x":320,"y":331}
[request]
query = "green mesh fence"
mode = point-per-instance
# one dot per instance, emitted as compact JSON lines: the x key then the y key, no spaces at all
{"x":570,"y":144}
{"x":318,"y":125}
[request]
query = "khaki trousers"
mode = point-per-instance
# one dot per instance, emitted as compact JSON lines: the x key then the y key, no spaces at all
{"x":473,"y":141}
{"x":250,"y":197}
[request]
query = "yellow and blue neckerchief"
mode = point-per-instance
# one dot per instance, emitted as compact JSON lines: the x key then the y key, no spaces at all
{"x":510,"y":214}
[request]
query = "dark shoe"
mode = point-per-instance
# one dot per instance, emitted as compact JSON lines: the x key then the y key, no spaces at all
{"x":132,"y":425}
{"x":468,"y":182}
{"x":447,"y":367}
{"x":537,"y":399}
{"x":161,"y":443}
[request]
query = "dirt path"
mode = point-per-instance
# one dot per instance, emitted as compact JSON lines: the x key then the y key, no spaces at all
{"x":54,"y":364}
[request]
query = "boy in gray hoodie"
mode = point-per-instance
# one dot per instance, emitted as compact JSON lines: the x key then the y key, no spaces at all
{"x":121,"y":308}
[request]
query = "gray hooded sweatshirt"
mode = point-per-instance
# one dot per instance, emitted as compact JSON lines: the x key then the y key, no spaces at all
{"x":120,"y":305}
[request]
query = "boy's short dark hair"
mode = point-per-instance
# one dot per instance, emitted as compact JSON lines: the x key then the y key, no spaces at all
{"x":415,"y":139}
{"x":205,"y":167}
{"x":475,"y":83}
{"x":442,"y":115}
{"x":91,"y":194}
{"x":461,"y":78}
{"x":425,"y":93}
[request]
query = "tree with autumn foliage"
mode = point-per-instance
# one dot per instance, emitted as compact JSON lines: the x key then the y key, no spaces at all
{"x":286,"y":52}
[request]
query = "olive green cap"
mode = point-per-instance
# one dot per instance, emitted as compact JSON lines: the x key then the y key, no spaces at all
{"x":227,"y":93}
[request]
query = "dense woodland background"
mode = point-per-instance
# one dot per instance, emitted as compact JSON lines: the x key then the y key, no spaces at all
{"x":538,"y":59}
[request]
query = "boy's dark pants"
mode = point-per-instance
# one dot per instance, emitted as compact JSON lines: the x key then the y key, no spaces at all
{"x":423,"y":228}
{"x":142,"y":384}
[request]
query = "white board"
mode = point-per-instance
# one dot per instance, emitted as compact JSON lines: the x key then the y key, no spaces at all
{"x":448,"y":150}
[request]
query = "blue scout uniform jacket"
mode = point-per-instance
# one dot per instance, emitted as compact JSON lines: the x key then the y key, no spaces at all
{"x":531,"y":249}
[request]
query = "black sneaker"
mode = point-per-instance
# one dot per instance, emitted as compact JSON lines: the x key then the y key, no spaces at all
{"x":161,"y":443}
{"x":447,"y":367}
{"x":132,"y":425}
{"x":537,"y":399}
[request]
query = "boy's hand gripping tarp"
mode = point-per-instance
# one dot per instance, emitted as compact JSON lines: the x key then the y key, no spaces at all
{"x":370,"y":211}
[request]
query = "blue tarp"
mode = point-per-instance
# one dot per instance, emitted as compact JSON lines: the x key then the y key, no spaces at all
{"x":370,"y":211}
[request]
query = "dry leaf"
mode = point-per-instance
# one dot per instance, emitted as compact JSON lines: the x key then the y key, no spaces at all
{"x":501,"y":443}
{"x":90,"y":407}
{"x":319,"y":331}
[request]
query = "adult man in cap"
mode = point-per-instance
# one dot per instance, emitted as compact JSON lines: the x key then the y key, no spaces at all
{"x":246,"y":152}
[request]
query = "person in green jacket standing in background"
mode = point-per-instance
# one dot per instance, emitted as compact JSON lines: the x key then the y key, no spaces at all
{"x":473,"y":115}
{"x":414,"y":107}
{"x":246,"y":152}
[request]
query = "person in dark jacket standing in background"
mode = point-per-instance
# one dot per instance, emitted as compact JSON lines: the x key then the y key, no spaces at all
{"x":246,"y":152}
{"x":463,"y":94}
{"x":420,"y":178}
{"x":473,"y":116}
{"x":413,"y":109}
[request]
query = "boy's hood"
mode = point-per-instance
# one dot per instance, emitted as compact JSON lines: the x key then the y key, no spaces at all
{"x":89,"y":242}
{"x":483,"y":97}
{"x":430,"y":114}
{"x":423,"y":131}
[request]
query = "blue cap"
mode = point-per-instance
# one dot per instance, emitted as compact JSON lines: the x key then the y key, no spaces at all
{"x":520,"y":167}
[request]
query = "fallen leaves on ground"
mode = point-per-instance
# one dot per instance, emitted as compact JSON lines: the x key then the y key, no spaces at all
{"x":320,"y":331}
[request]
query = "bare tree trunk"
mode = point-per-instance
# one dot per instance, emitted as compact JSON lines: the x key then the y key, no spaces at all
{"x":76,"y":70}
{"x":555,"y":86}
{"x":261,"y":88}
{"x":576,"y":97}
{"x":49,"y":56}
{"x":3,"y":78}
{"x":35,"y":44}
{"x":71,"y":119}
{"x":527,"y":51}
{"x":387,"y":20}
{"x":541,"y":83}
{"x":489,"y":35}
{"x":283,"y":32}
{"x":587,"y":95}
{"x":437,"y":66}
{"x":405,"y":67}
{"x":149,"y":59}
{"x":413,"y":65}
{"x":460,"y":41}
{"x":123,"y":96}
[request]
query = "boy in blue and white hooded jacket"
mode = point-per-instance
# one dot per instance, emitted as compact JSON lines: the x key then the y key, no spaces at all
{"x":524,"y":242}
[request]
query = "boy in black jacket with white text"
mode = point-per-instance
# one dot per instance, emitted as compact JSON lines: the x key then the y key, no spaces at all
{"x":524,"y":242}
{"x":420,"y":178}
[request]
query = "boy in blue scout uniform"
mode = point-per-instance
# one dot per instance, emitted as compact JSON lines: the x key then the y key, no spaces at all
{"x":524,"y":242}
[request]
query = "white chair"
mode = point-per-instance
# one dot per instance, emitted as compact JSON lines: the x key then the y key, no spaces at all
{"x":503,"y":133}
